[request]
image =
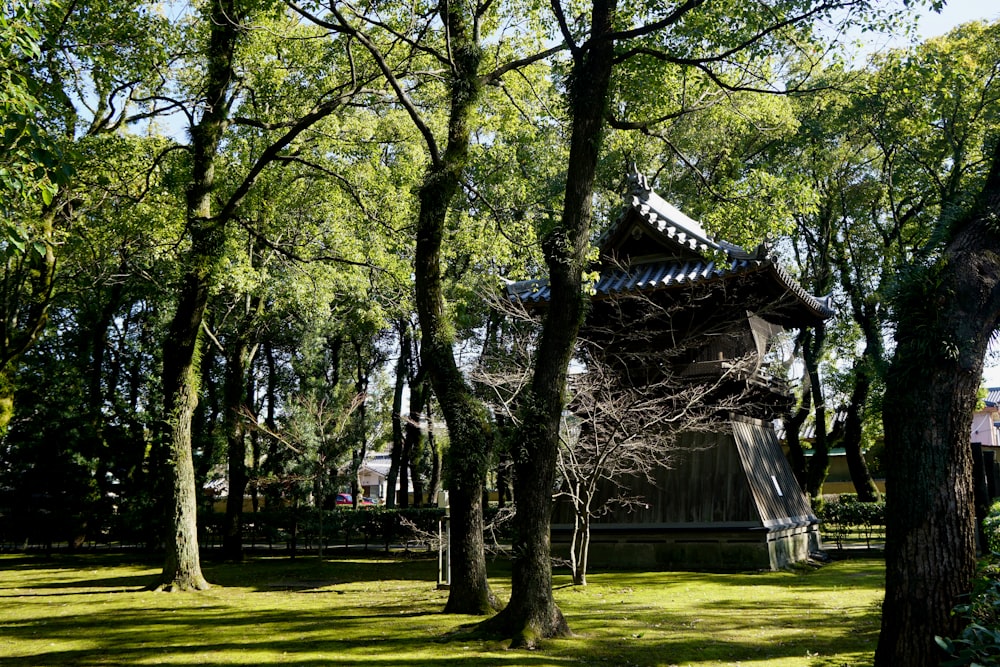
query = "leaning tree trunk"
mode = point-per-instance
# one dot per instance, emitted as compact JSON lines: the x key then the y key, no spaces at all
{"x":532,"y":613}
{"x":182,"y":566}
{"x":868,"y":317}
{"x":793,"y":424}
{"x":861,"y":477}
{"x":946,"y":315}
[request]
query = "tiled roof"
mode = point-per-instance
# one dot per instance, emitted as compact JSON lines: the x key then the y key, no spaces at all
{"x":993,"y":396}
{"x":379,"y":463}
{"x":643,"y":276}
{"x":664,"y":274}
{"x":665,"y":218}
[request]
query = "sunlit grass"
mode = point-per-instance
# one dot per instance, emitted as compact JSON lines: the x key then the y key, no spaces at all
{"x":93,"y":610}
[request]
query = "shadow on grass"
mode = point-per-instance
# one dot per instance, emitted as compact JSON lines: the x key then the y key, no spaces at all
{"x":387,"y":612}
{"x":217,"y":636}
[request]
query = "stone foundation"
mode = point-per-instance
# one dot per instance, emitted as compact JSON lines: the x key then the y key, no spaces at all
{"x":703,"y":549}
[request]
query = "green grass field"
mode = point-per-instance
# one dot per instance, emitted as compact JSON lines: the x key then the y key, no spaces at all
{"x":93,"y":610}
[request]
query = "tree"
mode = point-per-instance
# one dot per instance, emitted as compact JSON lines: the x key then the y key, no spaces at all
{"x":451,"y":37}
{"x":620,"y":430}
{"x":946,"y":308}
{"x":47,"y":50}
{"x":208,"y":226}
{"x":946,"y":313}
{"x":695,"y":38}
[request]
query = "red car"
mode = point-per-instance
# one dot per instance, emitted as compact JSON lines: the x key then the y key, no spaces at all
{"x":347,"y":499}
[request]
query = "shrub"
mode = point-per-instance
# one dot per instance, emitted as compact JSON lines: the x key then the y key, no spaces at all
{"x":846,"y":515}
{"x":991,"y":527}
{"x":979,"y":642}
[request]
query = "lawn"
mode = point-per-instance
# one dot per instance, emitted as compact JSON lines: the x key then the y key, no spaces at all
{"x":93,"y":610}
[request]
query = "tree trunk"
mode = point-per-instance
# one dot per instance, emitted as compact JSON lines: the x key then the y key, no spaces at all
{"x":434,"y":483}
{"x":869,"y":317}
{"x":182,"y":567}
{"x":236,"y":439}
{"x":584,"y":554}
{"x":412,"y":436}
{"x":819,"y":463}
{"x":361,"y":422}
{"x":946,"y":314}
{"x":468,"y":424}
{"x":398,"y":436}
{"x":793,"y":425}
{"x":417,"y":453}
{"x":864,"y":485}
{"x":532,"y":613}
{"x":206,"y":417}
{"x":580,"y":542}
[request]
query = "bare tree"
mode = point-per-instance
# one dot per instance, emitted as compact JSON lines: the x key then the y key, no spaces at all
{"x":616,"y":433}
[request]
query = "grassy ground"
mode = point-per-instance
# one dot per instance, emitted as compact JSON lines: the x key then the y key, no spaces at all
{"x":92,"y":610}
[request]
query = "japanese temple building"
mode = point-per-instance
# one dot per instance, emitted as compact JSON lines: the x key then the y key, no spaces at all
{"x":670,"y":300}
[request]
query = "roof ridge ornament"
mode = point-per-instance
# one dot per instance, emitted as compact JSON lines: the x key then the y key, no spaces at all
{"x":637,"y":179}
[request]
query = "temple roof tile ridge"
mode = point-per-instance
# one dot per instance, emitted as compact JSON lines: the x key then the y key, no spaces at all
{"x":667,"y":218}
{"x":656,"y":273}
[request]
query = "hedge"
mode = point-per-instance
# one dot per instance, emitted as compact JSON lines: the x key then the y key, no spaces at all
{"x":844,"y":517}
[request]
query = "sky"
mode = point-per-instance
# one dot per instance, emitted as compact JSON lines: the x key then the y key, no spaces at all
{"x":956,"y":12}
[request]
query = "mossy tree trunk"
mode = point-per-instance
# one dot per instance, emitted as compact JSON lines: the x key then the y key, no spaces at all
{"x":469,"y":430}
{"x":532,"y":613}
{"x":946,"y":314}
{"x":182,"y":568}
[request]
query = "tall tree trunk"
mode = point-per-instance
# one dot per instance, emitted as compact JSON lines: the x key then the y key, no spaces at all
{"x":868,"y":316}
{"x":469,"y":428}
{"x":864,"y":485}
{"x":182,"y":566}
{"x":946,"y":314}
{"x":398,"y":437}
{"x":532,"y":613}
{"x":819,"y":463}
{"x":793,"y":426}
